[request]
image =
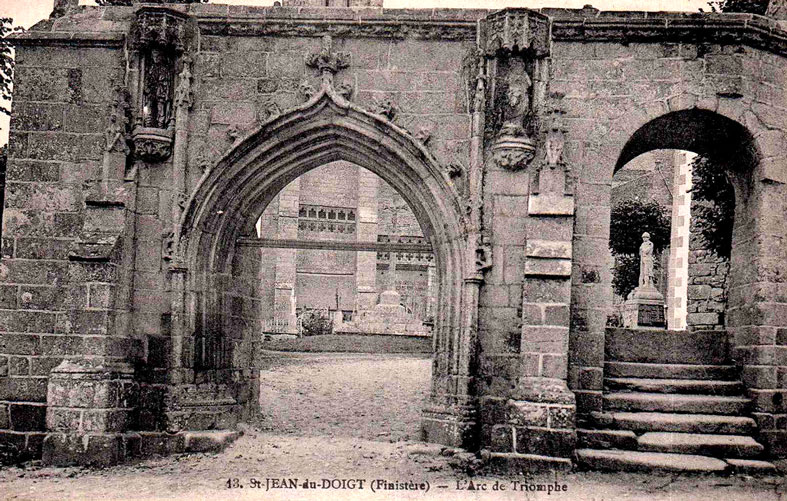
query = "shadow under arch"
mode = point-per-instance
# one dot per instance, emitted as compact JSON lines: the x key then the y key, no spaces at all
{"x":232,"y":195}
{"x":700,"y":131}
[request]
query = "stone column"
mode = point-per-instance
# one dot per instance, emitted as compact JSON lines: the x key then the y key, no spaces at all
{"x":286,"y":259}
{"x":366,"y":264}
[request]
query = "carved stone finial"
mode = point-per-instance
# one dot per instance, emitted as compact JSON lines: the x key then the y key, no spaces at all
{"x":326,"y":60}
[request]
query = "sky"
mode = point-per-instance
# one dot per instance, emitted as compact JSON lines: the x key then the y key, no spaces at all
{"x":27,"y":12}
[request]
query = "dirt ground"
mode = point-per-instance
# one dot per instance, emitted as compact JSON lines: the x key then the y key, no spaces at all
{"x":329,"y":418}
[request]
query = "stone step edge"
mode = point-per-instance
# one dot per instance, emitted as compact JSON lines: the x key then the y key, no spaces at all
{"x":622,"y":367}
{"x":734,"y":465}
{"x":666,"y":441}
{"x":634,"y":381}
{"x":629,"y":440}
{"x":611,"y":420}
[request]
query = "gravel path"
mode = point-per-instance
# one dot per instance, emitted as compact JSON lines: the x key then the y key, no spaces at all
{"x":366,"y":396}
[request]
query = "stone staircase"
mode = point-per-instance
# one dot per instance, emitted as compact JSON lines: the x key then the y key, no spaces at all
{"x":672,"y":401}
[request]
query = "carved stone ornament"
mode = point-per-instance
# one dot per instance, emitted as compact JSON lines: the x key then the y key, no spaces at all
{"x":268,"y":109}
{"x":483,"y":255}
{"x":161,"y":28}
{"x":326,"y":60}
{"x":167,"y":246}
{"x":183,"y":90}
{"x":513,"y":152}
{"x":454,"y":169}
{"x":517,"y":30}
{"x":513,"y":149}
{"x":345,"y":89}
{"x":152,"y":144}
{"x":424,"y":135}
{"x":386,"y":108}
{"x":306,"y":90}
{"x":116,"y":136}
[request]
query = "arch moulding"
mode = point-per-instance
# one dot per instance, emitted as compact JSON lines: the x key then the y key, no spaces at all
{"x":232,"y":194}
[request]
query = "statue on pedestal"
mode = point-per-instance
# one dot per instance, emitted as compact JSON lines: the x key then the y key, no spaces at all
{"x":646,"y":261}
{"x":645,"y":305}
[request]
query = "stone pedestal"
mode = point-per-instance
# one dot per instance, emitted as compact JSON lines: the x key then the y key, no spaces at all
{"x":89,"y":409}
{"x":644,"y":308}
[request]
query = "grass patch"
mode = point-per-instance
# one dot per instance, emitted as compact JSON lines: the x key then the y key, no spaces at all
{"x":351,"y":343}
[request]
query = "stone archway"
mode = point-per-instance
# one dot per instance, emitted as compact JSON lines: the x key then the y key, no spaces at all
{"x":226,"y":203}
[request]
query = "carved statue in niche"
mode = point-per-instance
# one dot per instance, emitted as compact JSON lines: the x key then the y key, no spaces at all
{"x":157,"y":90}
{"x":516,"y":106}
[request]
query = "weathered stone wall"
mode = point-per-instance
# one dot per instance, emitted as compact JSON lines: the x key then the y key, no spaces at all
{"x":542,"y":269}
{"x":609,"y":91}
{"x":52,"y":308}
{"x":707,"y":285}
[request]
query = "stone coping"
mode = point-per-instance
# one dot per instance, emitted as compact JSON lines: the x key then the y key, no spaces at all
{"x":107,"y":25}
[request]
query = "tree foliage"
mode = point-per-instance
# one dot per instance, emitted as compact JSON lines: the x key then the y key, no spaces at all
{"x":316,"y":322}
{"x":747,"y":6}
{"x":6,"y":63}
{"x":714,"y":215}
{"x":628,"y":221}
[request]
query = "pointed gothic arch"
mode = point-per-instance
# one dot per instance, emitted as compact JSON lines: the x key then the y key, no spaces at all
{"x":229,"y":198}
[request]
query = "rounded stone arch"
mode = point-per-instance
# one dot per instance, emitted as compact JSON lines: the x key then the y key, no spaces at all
{"x":730,"y":145}
{"x":736,"y":149}
{"x":232,"y":195}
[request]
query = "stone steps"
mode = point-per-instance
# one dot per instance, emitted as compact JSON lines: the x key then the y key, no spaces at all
{"x":705,"y":444}
{"x":691,"y":386}
{"x":669,"y":371}
{"x":672,"y":401}
{"x":675,"y":403}
{"x":683,"y":423}
{"x":635,"y":461}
